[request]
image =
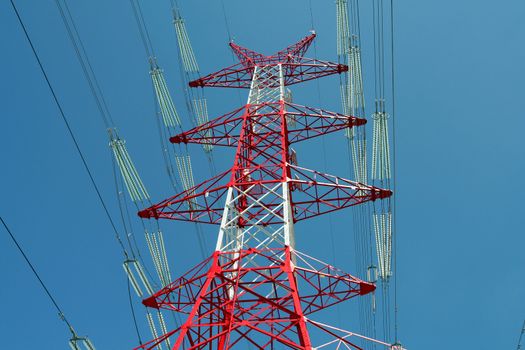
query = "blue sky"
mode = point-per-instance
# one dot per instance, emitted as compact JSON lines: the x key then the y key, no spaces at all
{"x":460,"y":76}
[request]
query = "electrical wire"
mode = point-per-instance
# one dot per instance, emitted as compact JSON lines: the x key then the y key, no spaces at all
{"x":386,"y":238}
{"x":353,"y":103}
{"x":521,"y":336}
{"x":226,"y":22}
{"x":71,"y":134}
{"x":230,"y":39}
{"x":87,"y":68}
{"x":31,"y":266}
{"x":148,"y":46}
{"x":394,"y":173}
{"x":96,"y":91}
{"x":97,"y":94}
{"x":69,"y":129}
{"x":325,"y":155}
{"x":143,"y":30}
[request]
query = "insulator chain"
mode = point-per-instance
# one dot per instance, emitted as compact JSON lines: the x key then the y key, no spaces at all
{"x":157,"y":249}
{"x":352,"y":92}
{"x":397,"y":347}
{"x":163,"y":328}
{"x":186,"y":174}
{"x":169,"y":114}
{"x":356,"y":77}
{"x":358,"y":149}
{"x":200,"y":107}
{"x":352,"y":98}
{"x":383,"y":234}
{"x":380,"y":147}
{"x":155,"y":240}
{"x":129,"y":173}
{"x":186,"y":51}
{"x":80,"y":343}
{"x":134,"y":269}
{"x":343,"y":28}
{"x":153,"y":329}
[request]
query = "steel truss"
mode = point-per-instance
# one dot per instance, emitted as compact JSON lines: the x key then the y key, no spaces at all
{"x":256,"y":289}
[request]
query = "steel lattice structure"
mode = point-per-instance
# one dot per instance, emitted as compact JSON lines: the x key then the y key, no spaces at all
{"x":257,"y":290}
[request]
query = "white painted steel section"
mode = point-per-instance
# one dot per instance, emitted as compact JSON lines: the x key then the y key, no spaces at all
{"x":224,"y":227}
{"x":267,"y":86}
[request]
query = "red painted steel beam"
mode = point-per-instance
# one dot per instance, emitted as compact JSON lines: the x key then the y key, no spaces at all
{"x":296,"y":67}
{"x":308,"y":123}
{"x":313,"y":194}
{"x":223,"y":300}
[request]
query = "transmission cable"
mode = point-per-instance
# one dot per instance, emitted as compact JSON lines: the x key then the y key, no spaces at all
{"x":70,"y":131}
{"x":143,"y":30}
{"x":394,"y":211}
{"x":352,"y":94}
{"x":87,"y":68}
{"x":521,"y":336}
{"x":226,"y":22}
{"x":46,"y":290}
{"x":325,"y":165}
{"x":71,"y":134}
{"x":182,"y":152}
{"x":96,"y":91}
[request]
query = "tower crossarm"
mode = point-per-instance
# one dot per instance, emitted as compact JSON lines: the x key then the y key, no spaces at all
{"x":297,"y":49}
{"x":247,"y":57}
{"x":296,"y":67}
{"x":268,"y":284}
{"x":303,"y":123}
{"x":297,"y":70}
{"x":313,"y":193}
{"x":264,"y":187}
{"x":202,"y":203}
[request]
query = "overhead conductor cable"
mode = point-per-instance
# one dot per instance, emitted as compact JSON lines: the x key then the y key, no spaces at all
{"x":171,"y":122}
{"x":76,"y":342}
{"x":353,"y":103}
{"x":132,"y":181}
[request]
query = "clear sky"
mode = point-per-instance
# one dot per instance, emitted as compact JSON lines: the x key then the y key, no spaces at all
{"x":459,"y":67}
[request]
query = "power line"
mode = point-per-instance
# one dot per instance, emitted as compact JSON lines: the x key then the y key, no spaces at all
{"x":394,"y":234}
{"x":87,"y":68}
{"x":143,"y":30}
{"x":68,"y":126}
{"x":521,"y":336}
{"x":72,"y":135}
{"x":75,"y":339}
{"x":26,"y":258}
{"x":226,"y":22}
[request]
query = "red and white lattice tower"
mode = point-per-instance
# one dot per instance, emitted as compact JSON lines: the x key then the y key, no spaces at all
{"x":256,"y":290}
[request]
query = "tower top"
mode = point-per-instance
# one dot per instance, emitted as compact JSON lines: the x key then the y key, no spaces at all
{"x":297,"y":68}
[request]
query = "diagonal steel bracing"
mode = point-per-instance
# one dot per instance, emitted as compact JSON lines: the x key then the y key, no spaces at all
{"x":256,"y":289}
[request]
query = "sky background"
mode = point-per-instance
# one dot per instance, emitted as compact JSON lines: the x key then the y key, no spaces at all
{"x":459,"y":120}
